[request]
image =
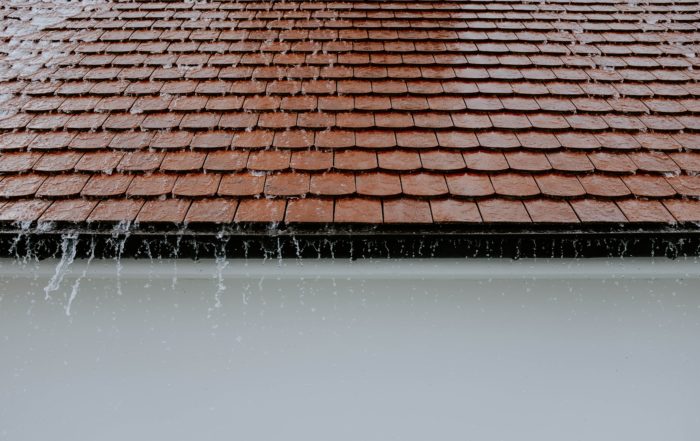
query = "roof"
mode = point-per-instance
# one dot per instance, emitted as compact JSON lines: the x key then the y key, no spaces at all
{"x":373,"y":112}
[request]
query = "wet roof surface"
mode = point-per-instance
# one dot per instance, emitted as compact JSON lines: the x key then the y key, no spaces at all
{"x":384,"y":112}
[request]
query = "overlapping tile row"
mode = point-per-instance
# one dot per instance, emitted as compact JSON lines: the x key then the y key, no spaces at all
{"x":372,"y":112}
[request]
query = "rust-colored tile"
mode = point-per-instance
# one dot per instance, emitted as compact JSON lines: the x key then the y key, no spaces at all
{"x":69,"y":210}
{"x":58,"y":162}
{"x":375,"y":139}
{"x":261,"y":210}
{"x":91,"y":140}
{"x":309,"y":210}
{"x":399,"y":160}
{"x":141,"y":161}
{"x":16,"y":140}
{"x":294,"y":139}
{"x":270,"y":160}
{"x":570,"y":161}
{"x":355,"y":160}
{"x":102,"y":161}
{"x":378,"y":184}
{"x":393,"y":120}
{"x":688,"y":162}
{"x":241,"y":184}
{"x":485,"y":161}
{"x":52,"y":140}
{"x":684,"y":184}
{"x":64,"y":185}
{"x":20,"y":185}
{"x":416,"y":139}
{"x":612,"y":162}
{"x":107,"y":185}
{"x":358,"y":210}
{"x":407,"y":211}
{"x":197,"y":185}
{"x":156,"y":184}
{"x":638,"y":210}
{"x":183,"y":161}
{"x":550,"y":211}
{"x":238,"y":120}
{"x":424,"y":184}
{"x":215,"y":211}
{"x":116,"y":210}
{"x":514,"y":184}
{"x":211,"y":140}
{"x":335,"y":139}
{"x":164,"y":211}
{"x":315,"y":120}
{"x":538,"y":140}
{"x":23,"y":210}
{"x":503,"y":211}
{"x":469,"y":185}
{"x":648,"y":186}
{"x":226,"y":160}
{"x":498,"y":140}
{"x":18,"y":162}
{"x":654,"y":162}
{"x":593,"y":210}
{"x":253,"y":139}
{"x":171,"y":140}
{"x":604,"y":186}
{"x":332,"y":184}
{"x":617,"y":141}
{"x":558,"y":185}
{"x":287,"y":184}
{"x":527,"y":161}
{"x":277,"y":120}
{"x":457,"y":139}
{"x":454,"y":211}
{"x":311,"y":160}
{"x":354,"y":120}
{"x":131,"y":140}
{"x":684,"y":210}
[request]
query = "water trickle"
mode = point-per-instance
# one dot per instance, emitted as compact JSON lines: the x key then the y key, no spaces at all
{"x":221,"y":264}
{"x":120,"y":234}
{"x":23,"y":229}
{"x":76,"y":285}
{"x":69,"y":245}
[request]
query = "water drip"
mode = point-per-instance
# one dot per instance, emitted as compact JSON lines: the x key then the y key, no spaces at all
{"x":69,"y":246}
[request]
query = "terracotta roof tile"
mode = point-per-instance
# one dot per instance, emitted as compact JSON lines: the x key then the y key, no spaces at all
{"x":218,"y":211}
{"x":638,"y":210}
{"x":116,"y":210}
{"x":168,"y":210}
{"x":241,"y":184}
{"x":407,"y":211}
{"x":591,"y":210}
{"x":503,"y":211}
{"x":309,"y":211}
{"x":69,"y":210}
{"x":151,"y":185}
{"x":550,"y":211}
{"x":374,"y":113}
{"x":261,"y":210}
{"x":64,"y":185}
{"x":358,"y":210}
{"x":24,"y":210}
{"x":454,"y":211}
{"x":682,"y":210}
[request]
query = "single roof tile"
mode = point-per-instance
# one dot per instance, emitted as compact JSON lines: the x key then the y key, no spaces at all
{"x":309,"y":210}
{"x":407,"y":211}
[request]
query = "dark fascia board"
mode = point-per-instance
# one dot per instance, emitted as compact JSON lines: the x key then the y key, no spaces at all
{"x":108,"y":240}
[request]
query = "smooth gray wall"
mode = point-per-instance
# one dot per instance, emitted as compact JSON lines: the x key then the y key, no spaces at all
{"x":319,"y":350}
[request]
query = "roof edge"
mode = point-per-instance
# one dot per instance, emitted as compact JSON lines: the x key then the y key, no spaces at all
{"x":347,"y":241}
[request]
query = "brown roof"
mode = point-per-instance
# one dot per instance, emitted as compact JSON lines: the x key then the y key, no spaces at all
{"x":374,"y":112}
